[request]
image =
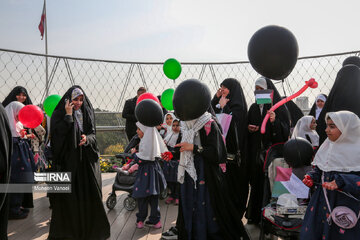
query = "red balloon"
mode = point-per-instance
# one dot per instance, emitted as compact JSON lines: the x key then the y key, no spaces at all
{"x":147,"y":96}
{"x":31,"y":116}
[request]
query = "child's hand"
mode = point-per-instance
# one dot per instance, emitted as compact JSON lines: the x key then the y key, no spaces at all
{"x":167,"y":156}
{"x":308,"y":181}
{"x":330,"y":185}
{"x":22,"y":133}
{"x":83,"y":140}
{"x":184,"y":146}
{"x":133,"y":150}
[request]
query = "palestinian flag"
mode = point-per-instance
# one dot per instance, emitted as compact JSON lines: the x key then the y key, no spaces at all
{"x":287,"y":182}
{"x":264,"y":96}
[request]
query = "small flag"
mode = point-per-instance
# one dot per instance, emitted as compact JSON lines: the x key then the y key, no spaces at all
{"x":264,"y":96}
{"x":42,"y":22}
{"x":287,"y":182}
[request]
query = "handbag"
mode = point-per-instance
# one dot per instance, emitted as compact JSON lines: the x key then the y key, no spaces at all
{"x":237,"y":156}
{"x":342,"y":216}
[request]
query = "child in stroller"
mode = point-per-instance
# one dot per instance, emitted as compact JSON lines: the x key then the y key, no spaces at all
{"x":285,"y":196}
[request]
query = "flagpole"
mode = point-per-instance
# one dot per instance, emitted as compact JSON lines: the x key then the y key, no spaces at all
{"x":46,"y":57}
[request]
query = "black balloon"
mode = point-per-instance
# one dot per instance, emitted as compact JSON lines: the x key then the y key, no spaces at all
{"x":149,"y":113}
{"x":273,"y":52}
{"x":191,"y":99}
{"x":298,"y":152}
{"x":355,"y":60}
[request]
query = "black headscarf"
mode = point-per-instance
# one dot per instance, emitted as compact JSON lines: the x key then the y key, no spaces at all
{"x":12,"y":96}
{"x":59,"y":142}
{"x":5,"y":163}
{"x":236,"y":94}
{"x":343,"y":96}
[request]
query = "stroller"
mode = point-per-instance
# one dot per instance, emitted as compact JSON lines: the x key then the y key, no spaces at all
{"x":281,"y":221}
{"x":126,"y":182}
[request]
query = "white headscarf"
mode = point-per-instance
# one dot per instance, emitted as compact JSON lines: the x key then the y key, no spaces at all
{"x":343,"y":154}
{"x":302,"y":129}
{"x":261,"y":82}
{"x":171,"y":139}
{"x":189,"y":130}
{"x":318,"y":110}
{"x":12,"y":111}
{"x":151,"y":144}
{"x":168,"y":128}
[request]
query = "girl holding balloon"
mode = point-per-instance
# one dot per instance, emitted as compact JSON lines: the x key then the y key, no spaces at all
{"x":22,"y":163}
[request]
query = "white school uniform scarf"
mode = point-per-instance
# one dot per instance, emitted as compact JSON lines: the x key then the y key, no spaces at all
{"x":190,"y":134}
{"x":302,"y":128}
{"x":151,"y":144}
{"x":318,"y":110}
{"x":168,"y":128}
{"x":12,"y":111}
{"x":343,"y":154}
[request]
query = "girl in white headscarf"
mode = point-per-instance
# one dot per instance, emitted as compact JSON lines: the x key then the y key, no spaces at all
{"x":337,"y":166}
{"x":150,"y":180}
{"x":318,"y":105}
{"x":305,"y":128}
{"x":167,"y":124}
{"x":22,"y":163}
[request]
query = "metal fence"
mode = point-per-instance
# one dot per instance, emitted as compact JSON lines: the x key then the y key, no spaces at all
{"x":109,"y":83}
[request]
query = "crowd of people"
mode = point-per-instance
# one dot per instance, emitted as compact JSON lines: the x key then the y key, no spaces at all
{"x":215,"y":180}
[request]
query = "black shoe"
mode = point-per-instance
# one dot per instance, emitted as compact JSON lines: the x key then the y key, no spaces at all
{"x":25,"y":210}
{"x":20,"y":215}
{"x":172,"y":233}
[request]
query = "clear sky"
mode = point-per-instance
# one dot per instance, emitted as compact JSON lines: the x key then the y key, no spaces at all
{"x":188,"y":30}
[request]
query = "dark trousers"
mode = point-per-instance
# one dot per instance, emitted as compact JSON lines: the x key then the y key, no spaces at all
{"x":143,"y":203}
{"x":175,"y":189}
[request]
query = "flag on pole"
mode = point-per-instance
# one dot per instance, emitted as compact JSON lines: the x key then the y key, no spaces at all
{"x":287,"y":182}
{"x":42,"y":22}
{"x":264,"y":96}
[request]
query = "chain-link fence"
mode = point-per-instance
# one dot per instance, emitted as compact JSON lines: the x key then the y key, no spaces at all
{"x":109,"y":83}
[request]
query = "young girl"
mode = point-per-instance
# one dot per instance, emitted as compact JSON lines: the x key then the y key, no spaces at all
{"x":318,"y":105}
{"x":166,"y":126}
{"x":337,"y":168}
{"x":305,"y":128}
{"x":22,"y":163}
{"x":150,"y":180}
{"x":170,"y":167}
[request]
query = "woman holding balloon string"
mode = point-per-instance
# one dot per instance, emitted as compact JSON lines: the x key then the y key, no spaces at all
{"x":22,"y":163}
{"x":79,"y":214}
{"x":230,"y":99}
{"x":277,"y":131}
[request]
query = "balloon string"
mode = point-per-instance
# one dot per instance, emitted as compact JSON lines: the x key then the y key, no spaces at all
{"x":311,"y":83}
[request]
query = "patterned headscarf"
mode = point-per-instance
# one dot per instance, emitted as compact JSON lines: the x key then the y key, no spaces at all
{"x":75,"y":93}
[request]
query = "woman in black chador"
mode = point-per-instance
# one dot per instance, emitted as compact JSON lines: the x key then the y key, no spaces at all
{"x":79,"y":214}
{"x":19,"y":94}
{"x":5,"y":160}
{"x":230,"y":99}
{"x":277,"y":131}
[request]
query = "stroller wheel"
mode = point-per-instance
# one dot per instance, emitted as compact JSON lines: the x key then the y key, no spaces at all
{"x":164,"y":194}
{"x":129,"y":203}
{"x":111,"y":201}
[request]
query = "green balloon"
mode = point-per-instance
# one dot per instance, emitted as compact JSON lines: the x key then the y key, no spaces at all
{"x":172,"y":68}
{"x":50,"y":104}
{"x":167,"y":99}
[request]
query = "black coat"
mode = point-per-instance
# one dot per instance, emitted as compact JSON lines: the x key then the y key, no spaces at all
{"x":343,"y":96}
{"x":129,"y":114}
{"x":5,"y":163}
{"x":226,"y":213}
{"x":79,"y":214}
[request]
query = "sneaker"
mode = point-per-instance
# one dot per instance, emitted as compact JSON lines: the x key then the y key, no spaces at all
{"x":139,"y":224}
{"x":172,"y":233}
{"x":177,"y":201}
{"x":150,"y":224}
{"x":169,"y":200}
